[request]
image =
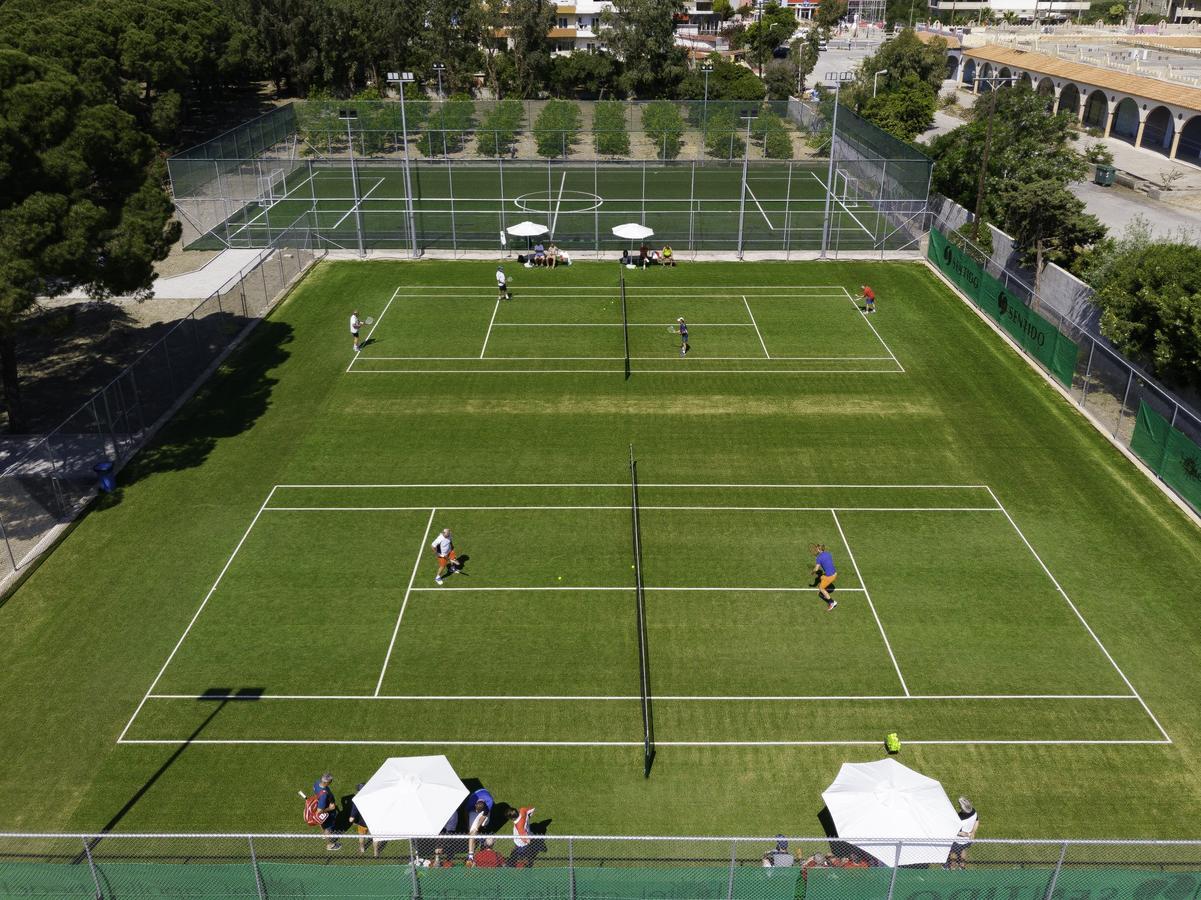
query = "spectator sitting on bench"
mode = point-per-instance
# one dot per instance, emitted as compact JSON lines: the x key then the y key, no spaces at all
{"x":667,"y":258}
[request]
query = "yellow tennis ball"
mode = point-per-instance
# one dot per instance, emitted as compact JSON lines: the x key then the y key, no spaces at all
{"x":560,"y":577}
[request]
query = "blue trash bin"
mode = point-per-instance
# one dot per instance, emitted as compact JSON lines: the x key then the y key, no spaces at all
{"x":108,"y":481}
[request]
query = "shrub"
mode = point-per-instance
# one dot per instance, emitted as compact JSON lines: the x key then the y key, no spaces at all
{"x":664,"y":126}
{"x":609,"y":128}
{"x":722,"y":140}
{"x":499,"y":128}
{"x":778,"y":144}
{"x":557,"y":128}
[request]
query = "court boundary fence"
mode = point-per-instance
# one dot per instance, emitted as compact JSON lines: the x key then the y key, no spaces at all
{"x":1106,"y":386}
{"x":46,"y":486}
{"x":567,"y":867}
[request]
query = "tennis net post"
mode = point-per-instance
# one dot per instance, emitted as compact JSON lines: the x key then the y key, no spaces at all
{"x":648,"y":721}
{"x":625,"y":320}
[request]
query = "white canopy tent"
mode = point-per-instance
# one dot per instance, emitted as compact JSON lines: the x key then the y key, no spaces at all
{"x":411,"y":795}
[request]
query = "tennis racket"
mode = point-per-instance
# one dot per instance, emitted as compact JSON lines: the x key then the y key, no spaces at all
{"x":303,"y":795}
{"x":671,"y":329}
{"x":370,"y":320}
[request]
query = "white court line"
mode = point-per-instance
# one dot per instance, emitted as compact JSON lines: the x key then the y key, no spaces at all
{"x":883,"y":343}
{"x":617,"y":358}
{"x":844,"y":206}
{"x":455,"y":743}
{"x":868,"y":596}
{"x":355,"y":357}
{"x":609,"y":290}
{"x":607,"y":325}
{"x":747,"y":185}
{"x":491,"y":321}
{"x":358,"y":203}
{"x":1083,"y":621}
{"x":212,"y":590}
{"x":605,"y":698}
{"x":647,"y":484}
{"x":555,"y":218}
{"x":392,"y":643}
{"x":756,"y":324}
{"x":692,"y":590}
{"x":909,"y":509}
{"x":644,"y":371}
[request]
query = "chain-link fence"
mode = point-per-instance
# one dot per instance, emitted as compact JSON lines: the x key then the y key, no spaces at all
{"x":705,"y":175}
{"x":47,"y":484}
{"x":567,"y":868}
{"x":1106,"y":385}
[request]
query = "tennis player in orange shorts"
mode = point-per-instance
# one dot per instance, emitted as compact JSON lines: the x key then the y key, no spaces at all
{"x":444,"y":547}
{"x":825,"y":573}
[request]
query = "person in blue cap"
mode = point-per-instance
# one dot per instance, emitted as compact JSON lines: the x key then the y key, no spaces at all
{"x":479,"y":812}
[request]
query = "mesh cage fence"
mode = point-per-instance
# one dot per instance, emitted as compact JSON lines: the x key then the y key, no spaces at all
{"x":1112,"y":390}
{"x":453,"y":175}
{"x":780,"y":868}
{"x":48,"y":482}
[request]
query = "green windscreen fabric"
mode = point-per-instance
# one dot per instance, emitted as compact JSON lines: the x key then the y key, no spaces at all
{"x":1032,"y":332}
{"x":363,"y":878}
{"x":1169,"y":453}
{"x":994,"y":884}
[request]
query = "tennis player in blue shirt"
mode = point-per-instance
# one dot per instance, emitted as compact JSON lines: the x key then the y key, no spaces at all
{"x":825,"y":574}
{"x":682,"y":330}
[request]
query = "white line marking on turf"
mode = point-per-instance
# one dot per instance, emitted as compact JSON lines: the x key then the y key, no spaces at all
{"x":559,"y":202}
{"x":484,"y":349}
{"x":212,"y":590}
{"x":358,"y":203}
{"x":883,"y":343}
{"x":392,"y":643}
{"x":868,"y":596}
{"x":747,"y":185}
{"x":756,"y":324}
{"x":577,"y":698}
{"x":354,"y":357}
{"x":509,"y":743}
{"x":648,"y":484}
{"x":1083,"y":621}
{"x":738,"y":590}
{"x":610,"y":325}
{"x":616,"y":358}
{"x":909,"y":509}
{"x":640,"y":370}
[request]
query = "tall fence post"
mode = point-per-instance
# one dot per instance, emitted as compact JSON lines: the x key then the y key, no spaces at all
{"x":254,"y":864}
{"x":9,"y":547}
{"x":92,"y":868}
{"x":733,"y":864}
{"x":1088,"y":370}
{"x":1122,"y":408}
{"x":571,"y":868}
{"x":1055,"y":875}
{"x":896,"y":864}
{"x":413,"y":870}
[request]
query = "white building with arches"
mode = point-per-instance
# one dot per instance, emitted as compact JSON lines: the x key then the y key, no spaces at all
{"x":1152,"y":114}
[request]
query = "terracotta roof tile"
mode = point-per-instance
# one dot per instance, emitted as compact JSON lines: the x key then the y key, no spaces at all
{"x":1135,"y":85}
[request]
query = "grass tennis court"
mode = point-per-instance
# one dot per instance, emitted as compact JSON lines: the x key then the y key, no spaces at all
{"x":804,"y":328}
{"x":257,"y":603}
{"x":466,"y":206}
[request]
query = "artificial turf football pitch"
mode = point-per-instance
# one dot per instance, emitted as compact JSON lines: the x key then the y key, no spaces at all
{"x":257,"y":603}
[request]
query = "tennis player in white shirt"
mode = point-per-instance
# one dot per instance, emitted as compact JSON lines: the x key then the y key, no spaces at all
{"x":502,"y":284}
{"x":444,"y":547}
{"x":355,"y":324}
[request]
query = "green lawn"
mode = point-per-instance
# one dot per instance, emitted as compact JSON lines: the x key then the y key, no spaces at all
{"x":1011,"y":590}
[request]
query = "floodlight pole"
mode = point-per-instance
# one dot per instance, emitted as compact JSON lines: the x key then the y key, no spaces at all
{"x":348,"y":116}
{"x":992,"y":108}
{"x":401,"y":79}
{"x":706,"y":70}
{"x":874,"y":77}
{"x":439,"y":68}
{"x":838,"y":78}
{"x":746,"y":155}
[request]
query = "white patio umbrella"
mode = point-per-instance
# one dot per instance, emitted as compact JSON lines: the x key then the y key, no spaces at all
{"x":632,"y":231}
{"x":411,"y":795}
{"x":527,"y":230}
{"x":887,"y":801}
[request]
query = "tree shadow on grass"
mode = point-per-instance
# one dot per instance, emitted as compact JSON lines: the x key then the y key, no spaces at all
{"x":228,"y":404}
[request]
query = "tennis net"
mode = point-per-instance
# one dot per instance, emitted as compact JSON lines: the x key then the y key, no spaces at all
{"x":648,"y":722}
{"x":625,"y":316}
